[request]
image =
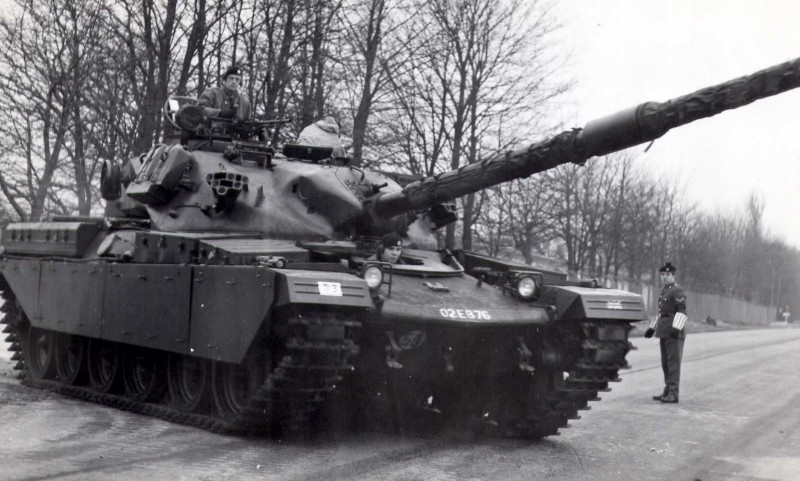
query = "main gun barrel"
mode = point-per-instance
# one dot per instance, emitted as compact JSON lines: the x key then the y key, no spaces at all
{"x":634,"y":126}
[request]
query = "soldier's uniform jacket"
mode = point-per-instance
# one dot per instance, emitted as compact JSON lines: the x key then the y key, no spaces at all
{"x":320,"y":135}
{"x":671,"y":301}
{"x":217,"y":99}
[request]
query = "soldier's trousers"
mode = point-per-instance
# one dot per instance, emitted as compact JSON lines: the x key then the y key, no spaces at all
{"x":671,"y":355}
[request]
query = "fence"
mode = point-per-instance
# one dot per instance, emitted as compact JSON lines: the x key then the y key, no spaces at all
{"x":702,"y":305}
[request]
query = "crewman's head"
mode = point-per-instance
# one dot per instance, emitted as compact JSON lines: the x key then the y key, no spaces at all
{"x":667,"y":273}
{"x":390,"y":249}
{"x":328,"y":124}
{"x":232,"y":78}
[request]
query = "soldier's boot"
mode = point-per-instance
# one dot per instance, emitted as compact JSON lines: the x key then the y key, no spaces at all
{"x":662,"y":395}
{"x":670,"y":397}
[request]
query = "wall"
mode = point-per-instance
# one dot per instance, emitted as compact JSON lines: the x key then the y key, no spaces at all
{"x":701,"y":305}
{"x":728,"y":309}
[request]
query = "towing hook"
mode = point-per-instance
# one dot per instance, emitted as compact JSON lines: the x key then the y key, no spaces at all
{"x":480,"y":273}
{"x":524,"y":356}
{"x":393,"y":352}
{"x":449,"y":368}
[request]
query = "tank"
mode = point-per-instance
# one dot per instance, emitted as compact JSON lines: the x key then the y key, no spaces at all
{"x":235,"y":287}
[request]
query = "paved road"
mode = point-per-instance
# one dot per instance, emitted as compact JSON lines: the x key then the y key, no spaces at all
{"x":738,"y":420}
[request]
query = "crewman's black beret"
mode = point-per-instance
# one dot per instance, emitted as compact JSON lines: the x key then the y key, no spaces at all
{"x":391,"y":239}
{"x":668,"y":267}
{"x":232,"y":70}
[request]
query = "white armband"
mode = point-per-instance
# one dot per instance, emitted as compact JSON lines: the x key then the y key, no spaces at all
{"x":679,"y":320}
{"x":654,"y":322}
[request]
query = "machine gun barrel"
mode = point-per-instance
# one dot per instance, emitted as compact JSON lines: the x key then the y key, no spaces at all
{"x":634,"y":126}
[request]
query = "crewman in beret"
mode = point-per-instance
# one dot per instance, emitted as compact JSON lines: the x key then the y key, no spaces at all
{"x":669,"y":327}
{"x":390,"y":248}
{"x":225,"y":101}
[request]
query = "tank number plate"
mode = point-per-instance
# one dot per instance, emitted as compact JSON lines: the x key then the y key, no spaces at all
{"x":464,"y":314}
{"x":330,"y":289}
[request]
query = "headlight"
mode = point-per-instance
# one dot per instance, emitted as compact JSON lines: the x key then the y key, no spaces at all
{"x":526,"y":286}
{"x":374,"y":276}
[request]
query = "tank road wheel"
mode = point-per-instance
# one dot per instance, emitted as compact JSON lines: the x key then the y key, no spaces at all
{"x":70,"y":359}
{"x":189,"y":382}
{"x":39,"y":352}
{"x":143,"y":374}
{"x":104,"y":366}
{"x":235,"y":385}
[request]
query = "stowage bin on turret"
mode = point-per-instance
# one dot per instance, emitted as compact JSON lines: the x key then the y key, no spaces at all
{"x":236,"y":288}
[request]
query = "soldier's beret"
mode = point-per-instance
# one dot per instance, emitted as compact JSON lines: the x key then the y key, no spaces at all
{"x":391,"y":239}
{"x":232,"y":70}
{"x":668,"y":267}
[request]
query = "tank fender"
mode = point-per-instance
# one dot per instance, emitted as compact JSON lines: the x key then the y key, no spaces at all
{"x":139,"y":304}
{"x":229,"y":305}
{"x":326,"y":288}
{"x":22,"y":277}
{"x":71,"y":297}
{"x":593,"y":303}
{"x":207,"y":311}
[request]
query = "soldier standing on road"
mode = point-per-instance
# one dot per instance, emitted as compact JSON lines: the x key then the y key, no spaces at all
{"x":668,"y":327}
{"x":225,"y":101}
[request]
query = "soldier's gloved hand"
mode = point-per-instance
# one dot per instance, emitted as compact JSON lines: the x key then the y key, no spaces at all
{"x":227,"y":114}
{"x":674,"y":333}
{"x":649,"y":332}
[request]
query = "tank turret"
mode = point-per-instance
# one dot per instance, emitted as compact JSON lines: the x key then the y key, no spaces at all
{"x":219,"y":176}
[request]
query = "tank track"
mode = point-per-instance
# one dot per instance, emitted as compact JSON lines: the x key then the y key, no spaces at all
{"x":307,"y":371}
{"x":10,"y":321}
{"x":533,"y":402}
{"x":599,"y":348}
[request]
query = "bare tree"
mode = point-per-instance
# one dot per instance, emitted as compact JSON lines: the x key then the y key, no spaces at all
{"x":492,"y":226}
{"x":280,"y":39}
{"x":711,"y":251}
{"x":750,"y":275}
{"x":372,"y":55}
{"x":154,"y":48}
{"x":581,"y":207}
{"x":477,"y":65}
{"x":146,"y":30}
{"x":618,"y":196}
{"x":39,"y":69}
{"x":529,"y":203}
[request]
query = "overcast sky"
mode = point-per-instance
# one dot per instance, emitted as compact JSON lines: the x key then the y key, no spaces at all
{"x":625,"y":52}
